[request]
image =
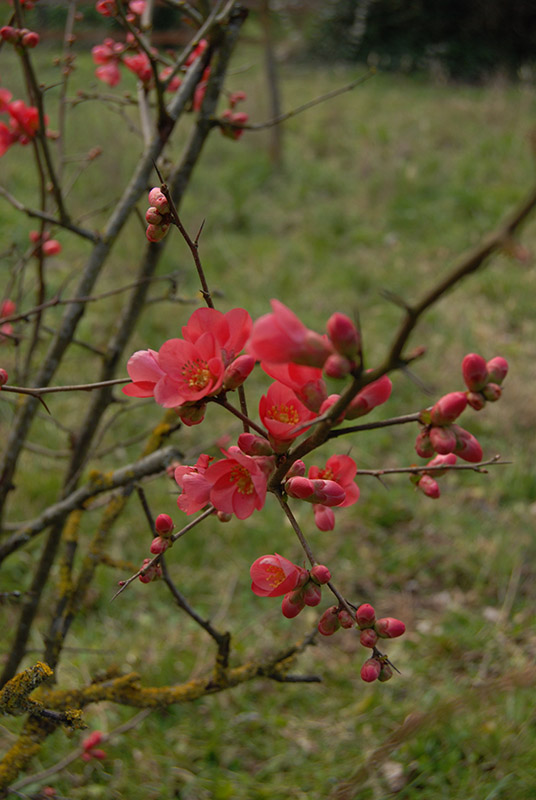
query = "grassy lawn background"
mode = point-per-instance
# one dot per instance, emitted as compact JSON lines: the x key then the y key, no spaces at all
{"x":381,"y":189}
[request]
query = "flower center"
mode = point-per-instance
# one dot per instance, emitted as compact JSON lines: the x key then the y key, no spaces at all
{"x":327,"y":474}
{"x":242,"y":478}
{"x":274,"y":575}
{"x":284,"y":413}
{"x":196,"y":373}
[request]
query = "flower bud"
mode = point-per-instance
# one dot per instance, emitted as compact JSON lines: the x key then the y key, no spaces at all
{"x":312,"y":594}
{"x":338,"y":366}
{"x":442,"y":440}
{"x":320,"y":574}
{"x":325,"y":492}
{"x":389,"y":627}
{"x":51,"y":248}
{"x":344,"y":335}
{"x":4,"y":377}
{"x":155,"y":233}
{"x":191,"y":413}
{"x":163,"y":524}
{"x":448,"y":460}
{"x":370,"y":671}
{"x":253,"y":445}
{"x":476,"y":400}
{"x":292,"y":604}
{"x":492,"y":392}
{"x":448,"y":408}
{"x":467,"y":446}
{"x":324,"y":517}
{"x":158,"y":199}
{"x":365,"y":616}
{"x":429,"y":487}
{"x":386,"y":673}
{"x":346,"y":619}
{"x":497,"y":369}
{"x":368,"y":637}
{"x":329,"y":623}
{"x":30,"y":39}
{"x":237,"y":372}
{"x":423,"y":445}
{"x":224,"y":517}
{"x":475,"y":372}
{"x":153,"y":216}
{"x":297,"y":470}
{"x":159,"y":545}
{"x":372,"y":395}
{"x":152,"y":574}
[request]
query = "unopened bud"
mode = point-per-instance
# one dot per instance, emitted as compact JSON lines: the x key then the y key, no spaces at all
{"x":253,"y":445}
{"x":423,"y":445}
{"x":368,"y":637}
{"x":442,"y":439}
{"x":224,"y":517}
{"x":476,"y":400}
{"x":163,"y":524}
{"x":292,"y":604}
{"x":448,"y":408}
{"x":328,"y":624}
{"x":447,"y":460}
{"x":338,"y":366}
{"x":370,"y":671}
{"x":4,"y":377}
{"x":155,"y":233}
{"x":312,"y":594}
{"x":158,"y":200}
{"x":320,"y":574}
{"x":346,"y":619}
{"x":237,"y":372}
{"x":467,"y":446}
{"x":153,"y":216}
{"x":475,"y":372}
{"x":297,"y":470}
{"x":375,"y":394}
{"x":389,"y":627}
{"x":386,"y":673}
{"x":159,"y":545}
{"x":191,"y":414}
{"x":365,"y":616}
{"x":324,"y":492}
{"x":497,"y":369}
{"x":492,"y":392}
{"x":429,"y":486}
{"x":30,"y":39}
{"x":344,"y":335}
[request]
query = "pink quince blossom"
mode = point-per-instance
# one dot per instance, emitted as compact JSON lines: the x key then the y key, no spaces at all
{"x":306,"y":382}
{"x":238,"y":483}
{"x":140,"y":65}
{"x":109,"y":73}
{"x":281,"y":337}
{"x":195,"y":488}
{"x":274,"y":576}
{"x":192,"y":371}
{"x":145,"y":372}
{"x":231,"y":330}
{"x":281,"y":412}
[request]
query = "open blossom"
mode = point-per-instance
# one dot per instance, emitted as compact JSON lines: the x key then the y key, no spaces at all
{"x":231,"y":330}
{"x":192,"y":371}
{"x":281,"y":413}
{"x":281,"y":337}
{"x":274,"y":576}
{"x":306,"y":382}
{"x":238,"y":483}
{"x":140,"y":65}
{"x":144,"y":372}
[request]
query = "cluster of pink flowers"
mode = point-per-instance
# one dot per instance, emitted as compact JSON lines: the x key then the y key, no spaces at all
{"x":108,"y":8}
{"x":276,"y":576}
{"x":439,"y":434}
{"x":23,"y":122}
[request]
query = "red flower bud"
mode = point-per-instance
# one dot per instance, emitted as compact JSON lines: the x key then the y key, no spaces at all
{"x":346,"y":619}
{"x":155,"y":233}
{"x":4,"y":377}
{"x":365,"y":616}
{"x":325,"y":492}
{"x":163,"y":524}
{"x":158,"y":200}
{"x":467,"y":446}
{"x":338,"y":366}
{"x":223,"y":517}
{"x":389,"y":627}
{"x":443,"y":440}
{"x":344,"y":335}
{"x":320,"y":574}
{"x":312,"y":594}
{"x":492,"y":392}
{"x":159,"y":545}
{"x":448,"y":408}
{"x":292,"y":604}
{"x":153,"y":216}
{"x":476,"y":400}
{"x":497,"y":369}
{"x":423,"y":445}
{"x":253,"y":445}
{"x":297,"y":470}
{"x":237,"y":372}
{"x":386,"y":673}
{"x":329,"y":623}
{"x":370,"y":671}
{"x":475,"y":372}
{"x":429,"y":486}
{"x":368,"y":637}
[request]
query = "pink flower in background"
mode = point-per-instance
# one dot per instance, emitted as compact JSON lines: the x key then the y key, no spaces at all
{"x":274,"y":576}
{"x":195,"y":488}
{"x":238,"y":483}
{"x":306,"y":382}
{"x":145,"y":373}
{"x":231,"y":330}
{"x":281,"y":412}
{"x":281,"y":337}
{"x":90,"y":749}
{"x":192,"y":371}
{"x":140,"y":65}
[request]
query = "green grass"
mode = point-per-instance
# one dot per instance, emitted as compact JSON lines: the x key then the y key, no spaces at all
{"x":381,"y":188}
